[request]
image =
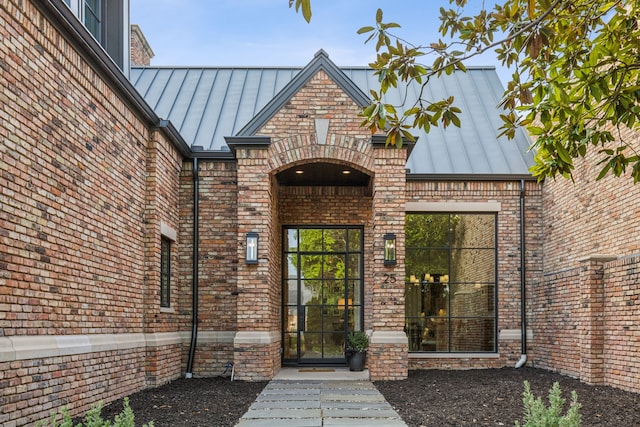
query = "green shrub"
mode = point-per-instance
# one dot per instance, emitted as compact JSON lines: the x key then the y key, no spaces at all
{"x":358,"y":341}
{"x":93,"y":418}
{"x":537,"y":414}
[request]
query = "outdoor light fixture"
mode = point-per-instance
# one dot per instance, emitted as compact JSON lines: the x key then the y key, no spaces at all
{"x":389,"y":249}
{"x":252,"y":248}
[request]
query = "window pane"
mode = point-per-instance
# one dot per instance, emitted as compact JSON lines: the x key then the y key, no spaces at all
{"x":292,"y":240}
{"x":473,"y":265}
{"x":165,"y":272}
{"x":472,"y":335}
{"x":313,"y":318}
{"x":291,"y":319}
{"x":310,"y":240}
{"x":333,"y":319}
{"x":291,"y":291}
{"x":311,"y":266}
{"x":335,"y":240}
{"x":92,"y":17}
{"x":420,"y":262}
{"x":473,"y":231}
{"x":333,"y":292}
{"x":334,"y":266}
{"x":423,"y":231}
{"x":354,"y":266}
{"x":311,"y":291}
{"x":472,"y":300}
{"x":355,"y":239}
{"x":291,"y":346}
{"x":334,"y":345}
{"x":291,"y":267}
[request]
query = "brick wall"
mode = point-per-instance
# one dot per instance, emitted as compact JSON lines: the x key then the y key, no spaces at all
{"x":584,"y":321}
{"x":84,"y":192}
{"x":585,"y":306}
{"x":588,"y":217}
{"x":217,"y":265}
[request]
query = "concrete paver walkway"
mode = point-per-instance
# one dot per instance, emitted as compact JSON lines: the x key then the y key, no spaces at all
{"x":320,"y":402}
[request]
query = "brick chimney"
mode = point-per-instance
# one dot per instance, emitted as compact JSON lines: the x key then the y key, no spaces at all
{"x":141,"y":52}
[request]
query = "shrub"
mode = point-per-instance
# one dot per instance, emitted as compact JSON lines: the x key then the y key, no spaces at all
{"x":537,"y":414}
{"x":358,"y":341}
{"x":93,"y":418}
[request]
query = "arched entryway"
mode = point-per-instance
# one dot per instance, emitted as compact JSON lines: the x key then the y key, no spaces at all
{"x":325,"y":212}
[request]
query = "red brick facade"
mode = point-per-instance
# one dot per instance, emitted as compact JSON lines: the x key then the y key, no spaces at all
{"x":584,"y":307}
{"x":86,"y":187}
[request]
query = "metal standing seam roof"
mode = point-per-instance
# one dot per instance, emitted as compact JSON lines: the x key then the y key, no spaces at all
{"x":206,"y":104}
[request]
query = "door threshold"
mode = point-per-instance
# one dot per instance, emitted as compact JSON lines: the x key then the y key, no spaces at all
{"x":323,"y":374}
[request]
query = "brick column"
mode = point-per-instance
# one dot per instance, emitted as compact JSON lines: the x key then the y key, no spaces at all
{"x":388,"y":350}
{"x":257,"y":341}
{"x":591,"y":321}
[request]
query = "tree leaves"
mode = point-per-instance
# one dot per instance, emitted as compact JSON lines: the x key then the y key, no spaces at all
{"x":575,"y":81}
{"x":305,"y":5}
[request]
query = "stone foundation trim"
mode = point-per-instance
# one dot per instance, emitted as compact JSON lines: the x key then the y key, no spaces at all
{"x":598,"y":258}
{"x":255,"y":337}
{"x":43,"y":346}
{"x":454,"y":355}
{"x":388,"y":337}
{"x":514,"y":334}
{"x":453,"y":207}
{"x":216,"y":337}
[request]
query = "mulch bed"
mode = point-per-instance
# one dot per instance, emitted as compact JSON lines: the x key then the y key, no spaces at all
{"x":431,"y":398}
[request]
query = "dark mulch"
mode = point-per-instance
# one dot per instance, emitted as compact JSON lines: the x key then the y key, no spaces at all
{"x":195,"y":402}
{"x":493,"y":397}
{"x":432,"y":398}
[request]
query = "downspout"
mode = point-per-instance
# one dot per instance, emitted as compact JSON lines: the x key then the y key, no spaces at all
{"x":523,"y":302}
{"x":194,"y":274}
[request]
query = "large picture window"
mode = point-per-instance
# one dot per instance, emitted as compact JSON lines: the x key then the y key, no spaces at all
{"x":450,"y":284}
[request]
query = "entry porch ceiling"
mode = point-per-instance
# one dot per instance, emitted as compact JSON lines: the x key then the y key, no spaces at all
{"x":320,"y":174}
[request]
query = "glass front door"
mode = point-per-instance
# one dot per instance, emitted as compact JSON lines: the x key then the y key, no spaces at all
{"x":322,"y":292}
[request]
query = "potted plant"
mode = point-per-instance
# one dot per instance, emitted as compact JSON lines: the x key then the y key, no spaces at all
{"x":357,"y":345}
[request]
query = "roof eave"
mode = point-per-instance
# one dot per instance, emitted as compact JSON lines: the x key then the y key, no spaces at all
{"x":469,"y":177}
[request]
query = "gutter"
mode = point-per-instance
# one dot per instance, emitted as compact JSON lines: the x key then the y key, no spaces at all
{"x":194,"y":273}
{"x":523,"y":302}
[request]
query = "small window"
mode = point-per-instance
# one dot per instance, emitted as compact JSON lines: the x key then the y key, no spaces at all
{"x":93,"y":18}
{"x":165,"y":273}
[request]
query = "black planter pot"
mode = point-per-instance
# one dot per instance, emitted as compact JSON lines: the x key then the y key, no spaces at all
{"x":356,"y":361}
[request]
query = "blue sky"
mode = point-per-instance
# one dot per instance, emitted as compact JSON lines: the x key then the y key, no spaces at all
{"x":268,"y":33}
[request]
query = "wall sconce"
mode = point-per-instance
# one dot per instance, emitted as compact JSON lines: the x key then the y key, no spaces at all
{"x":252,"y":248}
{"x":389,"y":249}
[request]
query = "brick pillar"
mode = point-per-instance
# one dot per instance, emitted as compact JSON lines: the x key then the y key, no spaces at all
{"x":257,"y":341}
{"x":388,"y":350}
{"x":591,"y":321}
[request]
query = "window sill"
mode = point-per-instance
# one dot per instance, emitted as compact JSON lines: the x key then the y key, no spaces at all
{"x":167,"y":310}
{"x":435,"y":355}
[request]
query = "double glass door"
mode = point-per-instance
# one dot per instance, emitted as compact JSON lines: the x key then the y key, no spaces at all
{"x":322,"y":292}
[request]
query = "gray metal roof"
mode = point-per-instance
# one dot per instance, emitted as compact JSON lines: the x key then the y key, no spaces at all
{"x":205,"y":104}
